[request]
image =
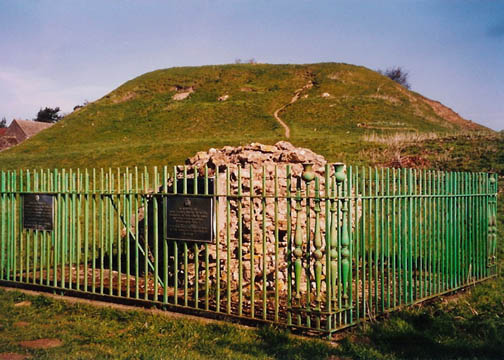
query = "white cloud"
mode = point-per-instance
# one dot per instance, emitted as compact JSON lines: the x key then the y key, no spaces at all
{"x":22,"y":93}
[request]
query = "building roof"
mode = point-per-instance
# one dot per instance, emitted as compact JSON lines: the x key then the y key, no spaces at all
{"x":2,"y":131}
{"x":31,"y":128}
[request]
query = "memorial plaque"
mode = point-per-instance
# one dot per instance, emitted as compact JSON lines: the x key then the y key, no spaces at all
{"x":190,"y":218}
{"x":38,"y":211}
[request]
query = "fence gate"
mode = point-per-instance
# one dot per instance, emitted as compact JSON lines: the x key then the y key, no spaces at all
{"x":311,"y":248}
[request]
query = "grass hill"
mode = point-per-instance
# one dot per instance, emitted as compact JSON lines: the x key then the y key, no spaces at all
{"x":331,"y":108}
{"x":365,"y":118}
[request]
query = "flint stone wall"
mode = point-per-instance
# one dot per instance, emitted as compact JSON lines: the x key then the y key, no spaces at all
{"x":262,"y":216}
{"x":270,"y":162}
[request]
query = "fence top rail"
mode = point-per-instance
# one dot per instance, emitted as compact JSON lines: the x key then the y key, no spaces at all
{"x":249,"y":196}
{"x":222,"y":169}
{"x":284,"y":181}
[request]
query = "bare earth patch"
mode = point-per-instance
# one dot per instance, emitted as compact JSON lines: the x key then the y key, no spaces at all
{"x":449,"y":115}
{"x":41,"y":343}
{"x":23,"y":303}
{"x":13,"y":356}
{"x":295,"y":98}
{"x":127,"y":96}
{"x":21,"y":324}
{"x":185,"y":92}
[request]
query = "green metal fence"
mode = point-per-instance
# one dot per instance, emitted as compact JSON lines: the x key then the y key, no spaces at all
{"x":318,"y":250}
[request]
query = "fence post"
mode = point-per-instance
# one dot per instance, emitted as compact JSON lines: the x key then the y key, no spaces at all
{"x":340,"y":177}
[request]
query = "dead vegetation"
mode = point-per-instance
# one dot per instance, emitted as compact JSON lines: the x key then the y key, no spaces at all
{"x":399,"y":139}
{"x":423,"y":150}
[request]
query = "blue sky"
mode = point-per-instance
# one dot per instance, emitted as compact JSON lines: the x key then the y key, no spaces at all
{"x":60,"y":53}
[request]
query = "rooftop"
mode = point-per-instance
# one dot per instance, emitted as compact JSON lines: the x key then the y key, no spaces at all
{"x":31,"y":128}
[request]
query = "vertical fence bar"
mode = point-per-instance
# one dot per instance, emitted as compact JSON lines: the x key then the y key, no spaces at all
{"x":350,"y":247}
{"x":102,"y":227}
{"x":146,"y":249}
{"x":317,"y":253}
{"x":228,"y":242}
{"x":175,"y":245}
{"x":252,"y":243}
{"x":263,"y":210}
{"x":240,"y":244}
{"x":328,"y":247}
{"x":3,"y":223}
{"x":86,"y":228}
{"x":71,"y":227}
{"x":165,"y":234}
{"x":119,"y":210}
{"x":394,"y":240}
{"x":196,"y":247}
{"x":363,"y":242}
{"x":217,"y":241}
{"x":376,"y":250}
{"x":27,"y":236}
{"x":390,"y":244}
{"x":371,"y":244}
{"x":110,"y":230}
{"x":467,"y":261}
{"x":381,"y":216}
{"x":308,"y":176}
{"x":207,"y":255}
{"x":277,"y":299}
{"x":10,"y":221}
{"x":17,"y":230}
{"x":355,"y":193}
{"x":155,"y":230}
{"x":298,"y":251}
{"x":128,"y":232}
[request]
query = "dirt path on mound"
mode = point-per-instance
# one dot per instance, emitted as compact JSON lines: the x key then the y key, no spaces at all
{"x":295,"y":98}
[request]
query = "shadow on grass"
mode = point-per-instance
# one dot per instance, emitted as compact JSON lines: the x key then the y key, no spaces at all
{"x":270,"y":342}
{"x":471,"y":326}
{"x":437,"y":334}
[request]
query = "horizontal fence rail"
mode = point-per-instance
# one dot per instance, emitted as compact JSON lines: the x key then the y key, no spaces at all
{"x":311,"y":248}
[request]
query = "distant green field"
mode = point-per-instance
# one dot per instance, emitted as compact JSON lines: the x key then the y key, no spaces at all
{"x":140,"y":124}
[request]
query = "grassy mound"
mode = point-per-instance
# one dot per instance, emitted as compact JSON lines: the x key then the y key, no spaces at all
{"x":140,"y":123}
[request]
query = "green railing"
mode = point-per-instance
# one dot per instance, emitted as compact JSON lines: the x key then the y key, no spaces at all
{"x":318,"y":250}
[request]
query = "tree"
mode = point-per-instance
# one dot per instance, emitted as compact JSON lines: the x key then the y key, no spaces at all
{"x":398,"y":74}
{"x":3,"y":123}
{"x":48,"y":115}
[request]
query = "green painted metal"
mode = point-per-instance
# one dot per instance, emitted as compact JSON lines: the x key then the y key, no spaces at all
{"x":318,"y":249}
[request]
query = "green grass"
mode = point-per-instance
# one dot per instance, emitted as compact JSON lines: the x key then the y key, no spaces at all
{"x":139,"y":123}
{"x":90,"y":332}
{"x":467,"y":325}
{"x":151,"y":129}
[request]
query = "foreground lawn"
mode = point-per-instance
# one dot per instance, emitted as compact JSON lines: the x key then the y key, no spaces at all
{"x":467,"y":325}
{"x":93,"y":332}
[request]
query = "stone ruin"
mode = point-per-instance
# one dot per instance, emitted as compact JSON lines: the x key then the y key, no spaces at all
{"x":270,"y":162}
{"x":273,"y":159}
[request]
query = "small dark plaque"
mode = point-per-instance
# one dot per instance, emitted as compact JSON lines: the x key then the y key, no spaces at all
{"x":190,"y":218}
{"x":38,"y":211}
